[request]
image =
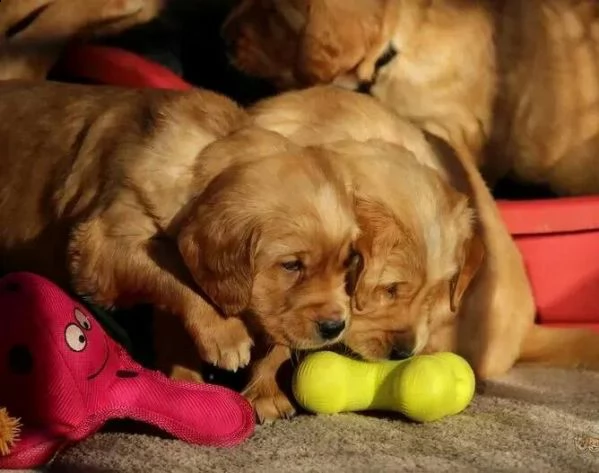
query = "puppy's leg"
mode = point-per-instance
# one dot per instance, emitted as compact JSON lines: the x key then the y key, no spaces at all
{"x":175,"y":352}
{"x":561,"y":347}
{"x":126,"y":269}
{"x":497,"y":316}
{"x":498,"y":310}
{"x":263,"y":390}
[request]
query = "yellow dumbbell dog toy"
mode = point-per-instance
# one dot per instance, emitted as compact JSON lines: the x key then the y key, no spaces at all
{"x":424,"y":388}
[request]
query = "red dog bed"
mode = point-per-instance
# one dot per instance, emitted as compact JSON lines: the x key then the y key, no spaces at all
{"x":558,"y":238}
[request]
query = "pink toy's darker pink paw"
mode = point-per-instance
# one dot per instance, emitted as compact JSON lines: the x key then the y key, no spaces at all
{"x":61,"y":373}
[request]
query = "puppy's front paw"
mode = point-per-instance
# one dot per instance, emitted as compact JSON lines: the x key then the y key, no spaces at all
{"x":270,"y":404}
{"x":226,"y":344}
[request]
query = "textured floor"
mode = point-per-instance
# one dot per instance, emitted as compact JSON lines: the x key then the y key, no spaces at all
{"x":533,"y":420}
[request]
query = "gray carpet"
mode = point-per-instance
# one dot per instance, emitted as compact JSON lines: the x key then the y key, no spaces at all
{"x":529,"y":421}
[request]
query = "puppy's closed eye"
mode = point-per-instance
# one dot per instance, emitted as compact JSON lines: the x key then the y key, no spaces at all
{"x":385,"y":58}
{"x":25,"y":22}
{"x":392,"y":290}
{"x":388,"y":55}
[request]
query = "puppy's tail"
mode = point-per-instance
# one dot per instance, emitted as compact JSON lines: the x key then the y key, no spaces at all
{"x":561,"y":347}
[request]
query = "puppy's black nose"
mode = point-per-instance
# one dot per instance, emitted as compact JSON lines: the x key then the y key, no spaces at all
{"x":400,"y":353}
{"x":330,"y":329}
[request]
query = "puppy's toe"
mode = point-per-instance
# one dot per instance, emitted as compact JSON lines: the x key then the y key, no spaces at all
{"x":235,"y":357}
{"x":226,"y":345}
{"x":270,"y":407}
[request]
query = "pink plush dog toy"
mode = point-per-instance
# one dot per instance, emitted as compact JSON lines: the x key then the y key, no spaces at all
{"x":65,"y":377}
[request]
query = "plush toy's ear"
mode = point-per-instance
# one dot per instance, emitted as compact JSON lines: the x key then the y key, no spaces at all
{"x":473,"y":253}
{"x":217,"y":244}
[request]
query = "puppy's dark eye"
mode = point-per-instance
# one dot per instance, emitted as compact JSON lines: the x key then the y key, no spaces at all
{"x":386,"y":57}
{"x":392,"y":289}
{"x":353,"y":259}
{"x":292,"y":266}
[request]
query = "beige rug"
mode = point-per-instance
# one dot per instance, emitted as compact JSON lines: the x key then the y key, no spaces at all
{"x":533,"y":420}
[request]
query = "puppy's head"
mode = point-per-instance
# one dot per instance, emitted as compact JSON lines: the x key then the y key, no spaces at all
{"x":419,"y":253}
{"x":302,"y":42}
{"x":397,"y":50}
{"x":270,"y":238}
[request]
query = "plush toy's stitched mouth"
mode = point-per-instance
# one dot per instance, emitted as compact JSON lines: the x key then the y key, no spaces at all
{"x":94,"y":375}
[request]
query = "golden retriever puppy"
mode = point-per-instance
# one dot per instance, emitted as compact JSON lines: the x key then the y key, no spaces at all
{"x":411,"y":249}
{"x":512,"y":84}
{"x":430,"y":282}
{"x":126,"y":196}
{"x":34,"y":32}
{"x":314,"y":252}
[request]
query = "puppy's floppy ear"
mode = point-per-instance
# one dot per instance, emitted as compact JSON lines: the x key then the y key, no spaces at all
{"x":473,"y":253}
{"x":335,"y":38}
{"x":378,"y":232}
{"x":218,"y":245}
{"x":320,"y":44}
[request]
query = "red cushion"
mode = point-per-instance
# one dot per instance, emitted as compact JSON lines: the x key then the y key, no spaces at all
{"x":114,"y":66}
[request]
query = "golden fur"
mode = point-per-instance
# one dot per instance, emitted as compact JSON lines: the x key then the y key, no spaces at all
{"x":406,"y":260}
{"x":416,"y":242}
{"x":136,"y":196}
{"x":33,"y":33}
{"x":513,"y":84}
{"x":416,"y":235}
{"x":439,"y":271}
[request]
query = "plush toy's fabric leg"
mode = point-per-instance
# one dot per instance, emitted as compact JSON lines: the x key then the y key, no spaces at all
{"x":203,"y":414}
{"x":34,"y":449}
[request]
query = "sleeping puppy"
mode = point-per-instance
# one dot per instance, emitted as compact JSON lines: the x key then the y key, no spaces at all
{"x":511,"y":84}
{"x":33,"y":33}
{"x":125,"y":197}
{"x":437,"y":274}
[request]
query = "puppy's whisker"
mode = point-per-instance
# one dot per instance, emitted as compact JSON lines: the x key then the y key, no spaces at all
{"x":254,"y":381}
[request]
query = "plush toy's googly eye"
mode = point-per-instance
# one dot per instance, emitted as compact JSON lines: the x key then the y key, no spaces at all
{"x":82,"y":320}
{"x":75,"y":337}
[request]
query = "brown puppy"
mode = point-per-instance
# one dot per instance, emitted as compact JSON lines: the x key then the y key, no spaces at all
{"x":422,"y":266}
{"x":285,"y":305}
{"x":109,"y":190}
{"x":513,"y":84}
{"x":411,"y":248}
{"x":34,"y":32}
